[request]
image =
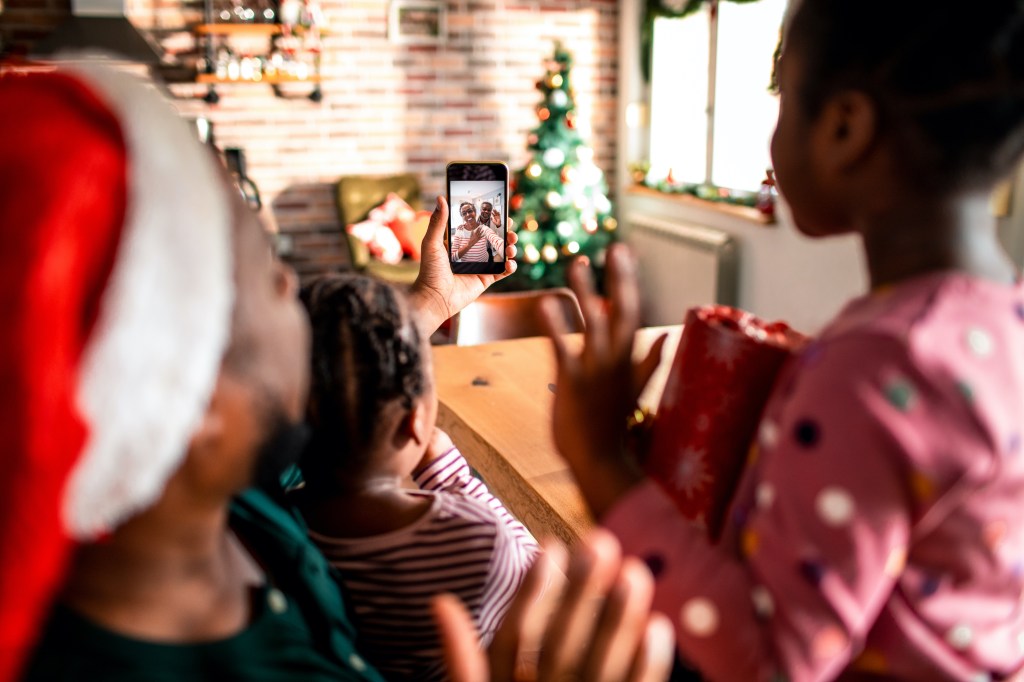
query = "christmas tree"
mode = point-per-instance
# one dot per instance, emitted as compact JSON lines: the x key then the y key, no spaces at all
{"x":559,"y":200}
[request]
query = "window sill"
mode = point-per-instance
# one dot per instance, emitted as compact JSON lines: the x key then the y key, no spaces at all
{"x":746,"y":213}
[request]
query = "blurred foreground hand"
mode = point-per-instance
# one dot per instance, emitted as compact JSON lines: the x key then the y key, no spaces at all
{"x":581,"y":618}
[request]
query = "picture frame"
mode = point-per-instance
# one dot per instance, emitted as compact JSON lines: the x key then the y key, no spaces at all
{"x":417,"y":22}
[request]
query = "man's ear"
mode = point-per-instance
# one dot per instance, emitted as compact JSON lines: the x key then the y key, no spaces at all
{"x":212,"y":425}
{"x":846,"y":131}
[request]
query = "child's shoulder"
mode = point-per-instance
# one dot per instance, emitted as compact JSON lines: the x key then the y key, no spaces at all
{"x":456,"y":505}
{"x":939,"y":319}
{"x":949,"y":339}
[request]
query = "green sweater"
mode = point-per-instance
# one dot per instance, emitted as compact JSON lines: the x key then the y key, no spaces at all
{"x":299,"y":630}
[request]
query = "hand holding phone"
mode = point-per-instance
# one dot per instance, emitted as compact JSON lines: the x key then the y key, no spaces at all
{"x":476,"y":235}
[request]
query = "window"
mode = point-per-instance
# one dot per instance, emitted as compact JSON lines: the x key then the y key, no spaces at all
{"x":711,"y":112}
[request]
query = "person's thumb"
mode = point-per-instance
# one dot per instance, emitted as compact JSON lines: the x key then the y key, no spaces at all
{"x":434,"y":237}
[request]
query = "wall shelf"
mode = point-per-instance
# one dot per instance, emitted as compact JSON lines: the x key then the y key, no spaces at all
{"x":216,"y":37}
{"x":228,"y":29}
{"x":212,"y":79}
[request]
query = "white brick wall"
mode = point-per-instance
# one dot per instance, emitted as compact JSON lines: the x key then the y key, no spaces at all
{"x":391,"y":108}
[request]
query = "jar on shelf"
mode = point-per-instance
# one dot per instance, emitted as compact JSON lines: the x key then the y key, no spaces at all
{"x":290,"y":14}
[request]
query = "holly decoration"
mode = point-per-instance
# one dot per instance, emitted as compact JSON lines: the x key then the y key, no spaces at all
{"x":668,"y":8}
{"x":559,"y":200}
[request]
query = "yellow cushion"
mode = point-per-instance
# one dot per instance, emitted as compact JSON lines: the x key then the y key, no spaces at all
{"x":357,"y":195}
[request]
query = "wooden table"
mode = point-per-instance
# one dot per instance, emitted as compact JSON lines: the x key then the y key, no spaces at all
{"x":495,"y":402}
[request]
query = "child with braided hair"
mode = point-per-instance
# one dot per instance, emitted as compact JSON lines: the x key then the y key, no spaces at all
{"x":373,"y":410}
{"x":878,"y":532}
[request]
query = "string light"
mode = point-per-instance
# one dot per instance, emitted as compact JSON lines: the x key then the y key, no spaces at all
{"x":550,"y":253}
{"x":553,"y":157}
{"x":555,"y":81}
{"x":610,"y":223}
{"x":554,"y":199}
{"x":573,"y":247}
{"x":534,"y":170}
{"x":543,"y":113}
{"x":564,"y":229}
{"x":531,"y":225}
{"x":531,"y":253}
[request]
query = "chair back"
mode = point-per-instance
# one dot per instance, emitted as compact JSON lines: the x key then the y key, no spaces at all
{"x":513,"y":315}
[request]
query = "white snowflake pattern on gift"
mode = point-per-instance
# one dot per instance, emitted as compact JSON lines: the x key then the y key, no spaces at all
{"x":725,"y":354}
{"x":691,"y":472}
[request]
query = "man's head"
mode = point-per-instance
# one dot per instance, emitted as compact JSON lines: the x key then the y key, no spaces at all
{"x":146,"y":325}
{"x":485,"y":212}
{"x":260,"y":393}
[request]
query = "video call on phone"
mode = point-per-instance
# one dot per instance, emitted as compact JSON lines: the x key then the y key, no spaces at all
{"x":477,"y":196}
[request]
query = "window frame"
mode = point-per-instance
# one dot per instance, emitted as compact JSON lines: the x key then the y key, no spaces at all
{"x":711,"y":7}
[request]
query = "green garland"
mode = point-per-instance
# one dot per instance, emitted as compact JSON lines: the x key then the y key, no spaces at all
{"x":666,"y":8}
{"x":721,"y":195}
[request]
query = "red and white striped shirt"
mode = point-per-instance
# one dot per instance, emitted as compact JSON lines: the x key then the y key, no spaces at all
{"x":467,"y":544}
{"x":478,"y":252}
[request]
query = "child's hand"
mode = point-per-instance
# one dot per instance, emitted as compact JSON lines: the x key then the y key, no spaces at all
{"x":440,"y":444}
{"x":598,"y":387}
{"x":596,"y":624}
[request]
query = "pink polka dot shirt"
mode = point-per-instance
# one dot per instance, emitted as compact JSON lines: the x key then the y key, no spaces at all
{"x":879,"y":527}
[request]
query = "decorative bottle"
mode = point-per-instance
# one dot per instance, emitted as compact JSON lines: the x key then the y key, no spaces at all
{"x":766,"y":196}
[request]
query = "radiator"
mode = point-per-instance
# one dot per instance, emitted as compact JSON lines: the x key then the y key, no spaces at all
{"x":681,"y":266}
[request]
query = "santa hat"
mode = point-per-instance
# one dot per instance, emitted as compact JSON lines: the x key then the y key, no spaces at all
{"x":116,"y":291}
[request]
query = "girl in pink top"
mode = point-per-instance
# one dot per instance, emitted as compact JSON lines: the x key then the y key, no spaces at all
{"x":879,"y":529}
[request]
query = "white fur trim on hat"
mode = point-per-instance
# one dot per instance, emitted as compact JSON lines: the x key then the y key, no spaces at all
{"x":153,"y":357}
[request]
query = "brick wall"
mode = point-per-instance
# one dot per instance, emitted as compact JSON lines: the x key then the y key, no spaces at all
{"x":389,"y":107}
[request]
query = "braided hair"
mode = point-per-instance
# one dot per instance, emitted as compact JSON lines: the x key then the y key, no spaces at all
{"x":948,"y":79}
{"x":366,"y":355}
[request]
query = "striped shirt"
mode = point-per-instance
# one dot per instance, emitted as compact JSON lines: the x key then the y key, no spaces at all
{"x":467,"y":544}
{"x":478,"y":252}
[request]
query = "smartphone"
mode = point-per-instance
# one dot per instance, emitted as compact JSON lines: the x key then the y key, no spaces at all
{"x":477,"y":222}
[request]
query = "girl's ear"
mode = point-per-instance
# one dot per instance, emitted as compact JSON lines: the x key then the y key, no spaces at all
{"x":419,"y":427}
{"x":847,"y":131}
{"x":414,"y":425}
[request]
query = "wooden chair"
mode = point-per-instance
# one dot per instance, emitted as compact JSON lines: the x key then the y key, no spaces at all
{"x":513,"y":315}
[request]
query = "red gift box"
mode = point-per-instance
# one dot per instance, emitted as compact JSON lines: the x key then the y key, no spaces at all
{"x":719,"y":382}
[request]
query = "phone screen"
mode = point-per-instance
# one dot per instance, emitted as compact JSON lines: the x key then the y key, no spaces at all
{"x":477,"y":221}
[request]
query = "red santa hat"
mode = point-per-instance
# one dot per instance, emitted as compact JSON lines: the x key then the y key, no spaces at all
{"x":116,"y":291}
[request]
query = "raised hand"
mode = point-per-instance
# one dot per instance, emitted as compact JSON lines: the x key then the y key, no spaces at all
{"x":598,"y":387}
{"x":594,"y":624}
{"x":437,"y":294}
